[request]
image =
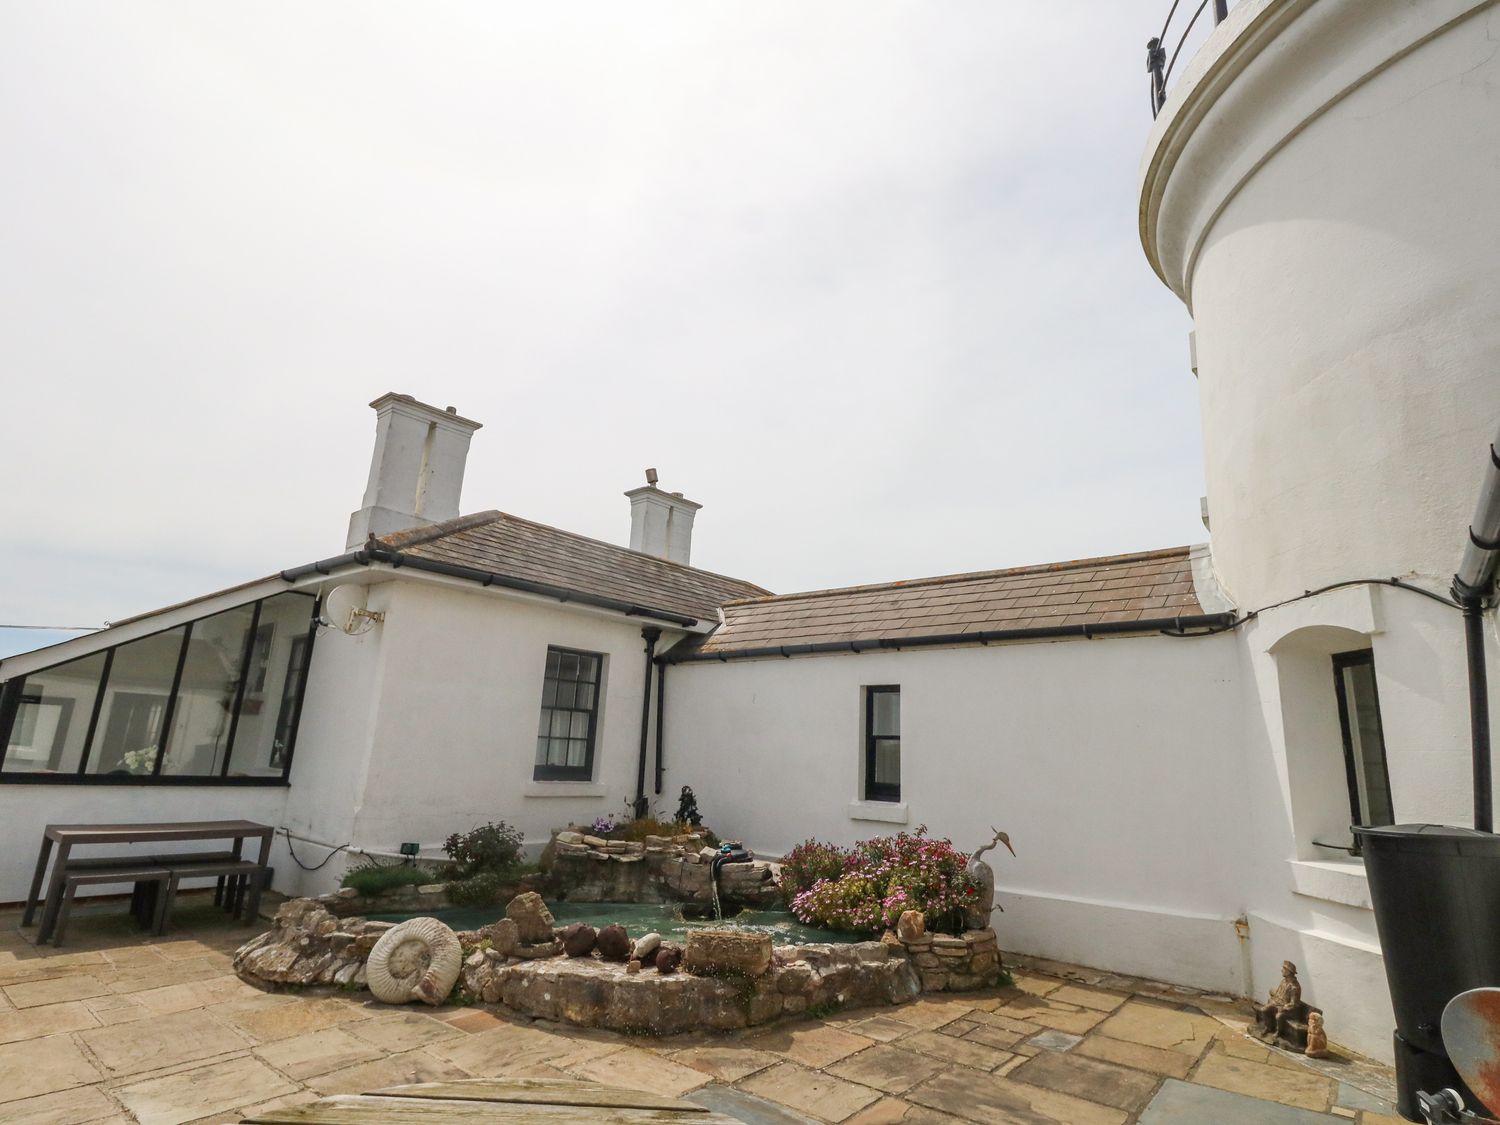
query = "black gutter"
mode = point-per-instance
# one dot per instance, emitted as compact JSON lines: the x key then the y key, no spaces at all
{"x":369,"y":555}
{"x":1176,"y":626}
{"x":661,"y":717}
{"x":650,"y":634}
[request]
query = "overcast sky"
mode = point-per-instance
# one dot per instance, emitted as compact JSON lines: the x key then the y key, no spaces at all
{"x":862,"y":278}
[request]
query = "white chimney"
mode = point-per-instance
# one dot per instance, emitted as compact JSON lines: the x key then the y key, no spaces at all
{"x":661,"y":523}
{"x":417,"y":472}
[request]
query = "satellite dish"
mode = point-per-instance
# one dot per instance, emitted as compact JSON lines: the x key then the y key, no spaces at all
{"x":344,"y":609}
{"x":1471,"y":1024}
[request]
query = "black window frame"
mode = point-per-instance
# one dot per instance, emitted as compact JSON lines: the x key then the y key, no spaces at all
{"x":873,"y":790}
{"x":541,"y":771}
{"x":1341,"y":662}
{"x":13,"y":691}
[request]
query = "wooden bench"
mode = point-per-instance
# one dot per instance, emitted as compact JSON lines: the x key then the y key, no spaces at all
{"x":140,"y":875}
{"x":232,"y":890}
{"x":246,"y":880}
{"x":227,"y":891}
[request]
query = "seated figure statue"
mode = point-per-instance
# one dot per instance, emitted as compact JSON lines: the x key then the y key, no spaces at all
{"x":1282,"y":1019}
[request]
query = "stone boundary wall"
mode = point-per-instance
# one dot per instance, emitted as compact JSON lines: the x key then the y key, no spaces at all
{"x":955,"y":964}
{"x":730,"y":979}
{"x":594,"y":993}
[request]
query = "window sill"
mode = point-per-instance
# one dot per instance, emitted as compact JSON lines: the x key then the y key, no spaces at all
{"x":565,"y":789}
{"x":1332,"y":880}
{"x":888,"y":812}
{"x":140,"y":782}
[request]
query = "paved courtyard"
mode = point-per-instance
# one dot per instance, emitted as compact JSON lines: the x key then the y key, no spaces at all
{"x":117,"y":1028}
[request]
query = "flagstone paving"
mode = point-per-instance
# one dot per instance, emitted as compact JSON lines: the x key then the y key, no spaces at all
{"x":117,"y":1028}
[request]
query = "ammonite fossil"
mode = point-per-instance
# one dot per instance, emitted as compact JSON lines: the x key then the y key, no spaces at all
{"x":418,"y":959}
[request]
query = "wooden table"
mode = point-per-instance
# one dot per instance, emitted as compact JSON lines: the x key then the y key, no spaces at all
{"x":69,"y":836}
{"x":496,"y":1101}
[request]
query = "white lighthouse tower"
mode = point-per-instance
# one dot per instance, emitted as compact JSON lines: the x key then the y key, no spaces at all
{"x":1322,"y":190}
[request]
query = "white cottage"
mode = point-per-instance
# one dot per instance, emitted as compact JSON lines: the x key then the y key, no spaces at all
{"x":1177,"y":741}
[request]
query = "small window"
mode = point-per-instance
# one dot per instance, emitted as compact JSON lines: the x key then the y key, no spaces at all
{"x":883,"y":743}
{"x":1364,"y":743}
{"x":570,"y":713}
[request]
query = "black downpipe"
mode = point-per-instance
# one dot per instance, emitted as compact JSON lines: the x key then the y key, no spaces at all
{"x":649,"y":634}
{"x":1479,"y":714}
{"x":661,"y":718}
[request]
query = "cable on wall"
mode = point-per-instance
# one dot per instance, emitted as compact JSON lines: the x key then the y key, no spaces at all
{"x":283,"y":830}
{"x":1254,"y":613}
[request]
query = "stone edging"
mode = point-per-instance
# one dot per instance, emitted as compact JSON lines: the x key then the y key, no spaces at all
{"x":309,"y":946}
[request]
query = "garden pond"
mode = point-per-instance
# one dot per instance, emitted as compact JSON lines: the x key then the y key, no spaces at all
{"x":641,"y":918}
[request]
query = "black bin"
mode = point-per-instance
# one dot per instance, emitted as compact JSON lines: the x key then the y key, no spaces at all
{"x":1436,"y":894}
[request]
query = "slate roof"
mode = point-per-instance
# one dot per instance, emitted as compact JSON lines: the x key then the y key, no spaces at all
{"x":504,"y":544}
{"x":1116,"y":588}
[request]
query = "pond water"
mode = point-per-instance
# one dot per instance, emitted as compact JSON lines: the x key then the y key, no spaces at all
{"x":641,"y":918}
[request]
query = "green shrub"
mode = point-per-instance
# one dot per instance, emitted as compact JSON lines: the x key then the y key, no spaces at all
{"x":371,"y":878}
{"x":490,"y":847}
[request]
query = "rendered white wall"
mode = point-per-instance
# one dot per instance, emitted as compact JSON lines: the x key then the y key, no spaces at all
{"x":339,"y":719}
{"x":1115,"y":765}
{"x":454,"y":735}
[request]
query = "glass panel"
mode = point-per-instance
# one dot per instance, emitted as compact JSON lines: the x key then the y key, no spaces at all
{"x":566,"y":693}
{"x":577,"y":752}
{"x":205,"y":696}
{"x":52,"y":720}
{"x":580,"y":725}
{"x":552,"y":663}
{"x":272,"y":682}
{"x":135,"y":705}
{"x":887,"y":713}
{"x":1367,"y":742}
{"x":589,"y":669}
{"x":541,"y":751}
{"x":549,"y":693}
{"x":888,"y":761}
{"x":567,"y":666}
{"x":586,"y":696}
{"x":559,"y":724}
